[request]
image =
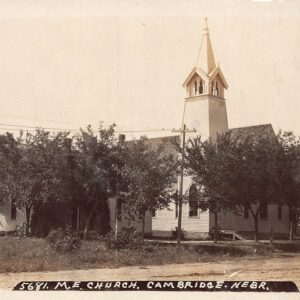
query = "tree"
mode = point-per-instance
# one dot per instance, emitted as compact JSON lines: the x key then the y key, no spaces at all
{"x":206,"y":164}
{"x":288,"y":164}
{"x":92,"y":172}
{"x":239,"y":171}
{"x":147,"y":176}
{"x":37,"y":176}
{"x":9,"y":157}
{"x":56,"y":208}
{"x":48,"y":175}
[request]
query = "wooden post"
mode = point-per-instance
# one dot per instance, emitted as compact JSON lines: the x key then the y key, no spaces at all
{"x":78,"y":220}
{"x":271,"y":237}
{"x":181,"y":187}
{"x":183,"y":131}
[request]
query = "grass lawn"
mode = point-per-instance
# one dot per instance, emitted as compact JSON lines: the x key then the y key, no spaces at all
{"x":33,"y":254}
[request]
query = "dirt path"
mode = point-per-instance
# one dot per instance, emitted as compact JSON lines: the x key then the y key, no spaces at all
{"x":285,"y":267}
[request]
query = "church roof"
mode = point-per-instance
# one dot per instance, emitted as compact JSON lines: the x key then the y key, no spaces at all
{"x":217,"y":71}
{"x":263,"y":130}
{"x":166,"y":144}
{"x":197,"y":71}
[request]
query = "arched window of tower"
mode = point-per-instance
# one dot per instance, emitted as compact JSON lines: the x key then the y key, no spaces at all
{"x":195,"y":87}
{"x":217,"y":89}
{"x":193,"y":201}
{"x":201,"y":87}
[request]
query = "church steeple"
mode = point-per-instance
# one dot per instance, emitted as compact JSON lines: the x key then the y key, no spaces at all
{"x":205,"y":59}
{"x":206,"y":78}
{"x":205,"y":107}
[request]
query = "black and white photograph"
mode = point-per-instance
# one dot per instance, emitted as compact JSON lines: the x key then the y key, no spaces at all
{"x":149,"y":146}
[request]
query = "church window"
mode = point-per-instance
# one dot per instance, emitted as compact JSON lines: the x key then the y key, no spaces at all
{"x":176,"y":208}
{"x":176,"y":203}
{"x":201,"y":87}
{"x":263,"y":211}
{"x":279,"y":212}
{"x":119,"y":209}
{"x":246,"y":211}
{"x":195,"y":87}
{"x":193,"y":201}
{"x":153,"y":211}
{"x":13,"y":211}
{"x":217,"y":89}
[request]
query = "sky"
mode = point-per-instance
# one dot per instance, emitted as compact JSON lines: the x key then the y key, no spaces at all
{"x":66,"y":64}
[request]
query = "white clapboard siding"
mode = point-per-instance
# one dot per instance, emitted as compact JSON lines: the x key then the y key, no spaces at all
{"x":230,"y":221}
{"x":165,"y":220}
{"x":6,"y":223}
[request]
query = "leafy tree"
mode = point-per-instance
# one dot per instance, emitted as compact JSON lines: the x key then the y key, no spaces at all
{"x":9,"y":156}
{"x":239,"y":171}
{"x":205,"y":163}
{"x":36,"y":177}
{"x":55,"y":209}
{"x":147,"y":177}
{"x":49,"y":175}
{"x":288,"y":164}
{"x":92,"y":173}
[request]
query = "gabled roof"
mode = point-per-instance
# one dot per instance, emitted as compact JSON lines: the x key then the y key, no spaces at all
{"x":207,"y":78}
{"x":217,"y":71}
{"x":194,"y":71}
{"x":166,"y":145}
{"x":264,"y":130}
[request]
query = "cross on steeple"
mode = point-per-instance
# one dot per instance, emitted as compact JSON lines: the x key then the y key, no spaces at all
{"x":206,"y":25}
{"x":205,"y":60}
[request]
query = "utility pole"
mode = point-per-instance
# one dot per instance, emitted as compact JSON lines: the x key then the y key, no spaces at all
{"x":117,"y":211}
{"x":118,"y":200}
{"x":183,"y":131}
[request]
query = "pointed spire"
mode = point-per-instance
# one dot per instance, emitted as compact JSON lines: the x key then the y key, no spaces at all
{"x":206,"y":60}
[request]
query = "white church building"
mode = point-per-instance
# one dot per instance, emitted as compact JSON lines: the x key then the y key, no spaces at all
{"x":205,"y":111}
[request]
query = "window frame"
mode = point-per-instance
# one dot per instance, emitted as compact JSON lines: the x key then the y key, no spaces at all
{"x":119,"y":211}
{"x":279,"y":212}
{"x":246,"y":211}
{"x":193,"y":208}
{"x":264,"y":211}
{"x":13,"y":211}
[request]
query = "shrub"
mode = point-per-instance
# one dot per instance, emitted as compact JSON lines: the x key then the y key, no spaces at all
{"x":126,"y":239}
{"x":21,"y":231}
{"x":216,"y":230}
{"x":175,"y":234}
{"x":63,"y":240}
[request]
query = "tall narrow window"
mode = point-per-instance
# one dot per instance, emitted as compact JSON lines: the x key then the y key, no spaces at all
{"x":201,"y":87}
{"x":212,"y":88}
{"x":176,"y":208}
{"x":193,"y":201}
{"x":263,"y":211}
{"x":246,"y":211}
{"x":217,"y":89}
{"x":176,"y":203}
{"x":153,"y":213}
{"x":279,"y":212}
{"x":119,"y":210}
{"x":13,"y":211}
{"x":195,"y":87}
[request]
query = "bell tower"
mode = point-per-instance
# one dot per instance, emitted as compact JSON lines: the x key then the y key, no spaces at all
{"x":205,"y":107}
